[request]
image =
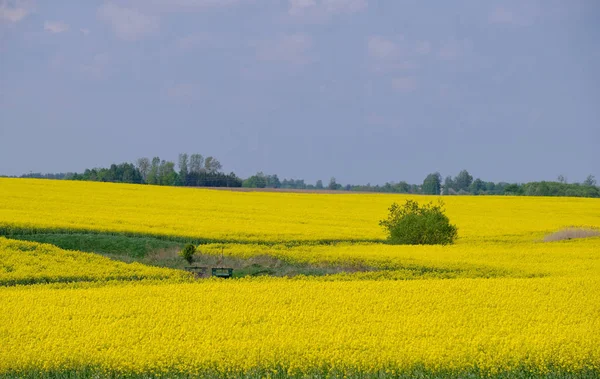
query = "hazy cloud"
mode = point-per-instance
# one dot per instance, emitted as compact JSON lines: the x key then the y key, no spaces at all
{"x":382,"y":48}
{"x":84,"y":31}
{"x":423,"y":47}
{"x":55,"y":26}
{"x":157,"y":7}
{"x":128,"y":24}
{"x":319,"y":10}
{"x":525,"y":13}
{"x":194,"y":41}
{"x":501,"y":16}
{"x":292,"y":48}
{"x":97,"y":68}
{"x":397,"y":54}
{"x":179,"y":92}
{"x":404,"y":84}
{"x":454,"y":49}
{"x":14,"y":10}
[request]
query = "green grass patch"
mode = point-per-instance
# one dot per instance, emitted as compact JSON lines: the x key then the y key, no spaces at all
{"x":133,"y":247}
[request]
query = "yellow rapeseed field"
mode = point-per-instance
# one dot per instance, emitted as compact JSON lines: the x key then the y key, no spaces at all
{"x":30,"y":204}
{"x":28,"y":262}
{"x":494,"y":324}
{"x":498,"y":302}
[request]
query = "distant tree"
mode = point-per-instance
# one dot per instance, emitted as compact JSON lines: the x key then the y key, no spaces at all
{"x":255,"y":181}
{"x":183,"y":167}
{"x":561,"y":179}
{"x":477,"y":186}
{"x":319,"y":184}
{"x":166,"y":173}
{"x":143,"y":165}
{"x":212,"y":165}
{"x":490,"y":187}
{"x":273,"y":181}
{"x":590,"y":181}
{"x":196,"y":164}
{"x":463,"y":180}
{"x":448,"y":185}
{"x":153,"y":174}
{"x":333,"y":185}
{"x":293,"y":183}
{"x":402,"y":187}
{"x":432,"y":184}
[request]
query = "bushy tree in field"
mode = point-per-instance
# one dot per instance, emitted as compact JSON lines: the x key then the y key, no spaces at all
{"x":187,"y":253}
{"x":411,"y":224}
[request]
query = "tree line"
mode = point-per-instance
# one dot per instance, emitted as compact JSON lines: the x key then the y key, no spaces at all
{"x":461,"y":184}
{"x":195,"y":170}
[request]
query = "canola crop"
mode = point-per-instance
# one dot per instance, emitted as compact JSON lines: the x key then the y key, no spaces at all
{"x":31,"y":206}
{"x":28,"y":263}
{"x":495,"y":325}
{"x":574,"y":258}
{"x":500,"y":302}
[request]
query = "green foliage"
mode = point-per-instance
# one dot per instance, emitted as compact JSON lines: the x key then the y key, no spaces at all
{"x":463,"y":181}
{"x":111,"y":244}
{"x":411,"y":224}
{"x":590,"y":181}
{"x":121,"y":173}
{"x":255,"y":181}
{"x":333,"y":185}
{"x":187,"y":253}
{"x":432,"y":184}
{"x":553,"y":189}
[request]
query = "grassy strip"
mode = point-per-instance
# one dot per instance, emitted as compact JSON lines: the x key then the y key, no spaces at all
{"x":157,"y":252}
{"x":10,"y":231}
{"x":416,"y":373}
{"x":134,"y":247}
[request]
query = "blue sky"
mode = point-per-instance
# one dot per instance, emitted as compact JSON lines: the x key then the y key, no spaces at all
{"x":363,"y":90}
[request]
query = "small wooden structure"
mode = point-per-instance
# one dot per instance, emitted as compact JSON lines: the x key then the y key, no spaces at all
{"x":222,"y":272}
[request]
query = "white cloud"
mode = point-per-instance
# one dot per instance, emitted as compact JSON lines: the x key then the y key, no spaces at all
{"x":454,"y":49}
{"x":55,"y":26}
{"x":292,"y":48}
{"x":323,"y":9}
{"x":128,"y":24}
{"x":157,"y":7}
{"x":423,"y":47}
{"x":98,"y":66}
{"x":180,"y":91}
{"x":398,"y":54}
{"x":15,"y":10}
{"x":501,"y":16}
{"x":193,"y":41}
{"x":404,"y":84}
{"x":382,"y":48}
{"x":522,"y":14}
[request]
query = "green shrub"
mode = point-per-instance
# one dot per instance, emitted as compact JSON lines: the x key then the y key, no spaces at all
{"x":187,"y":253}
{"x":411,"y":224}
